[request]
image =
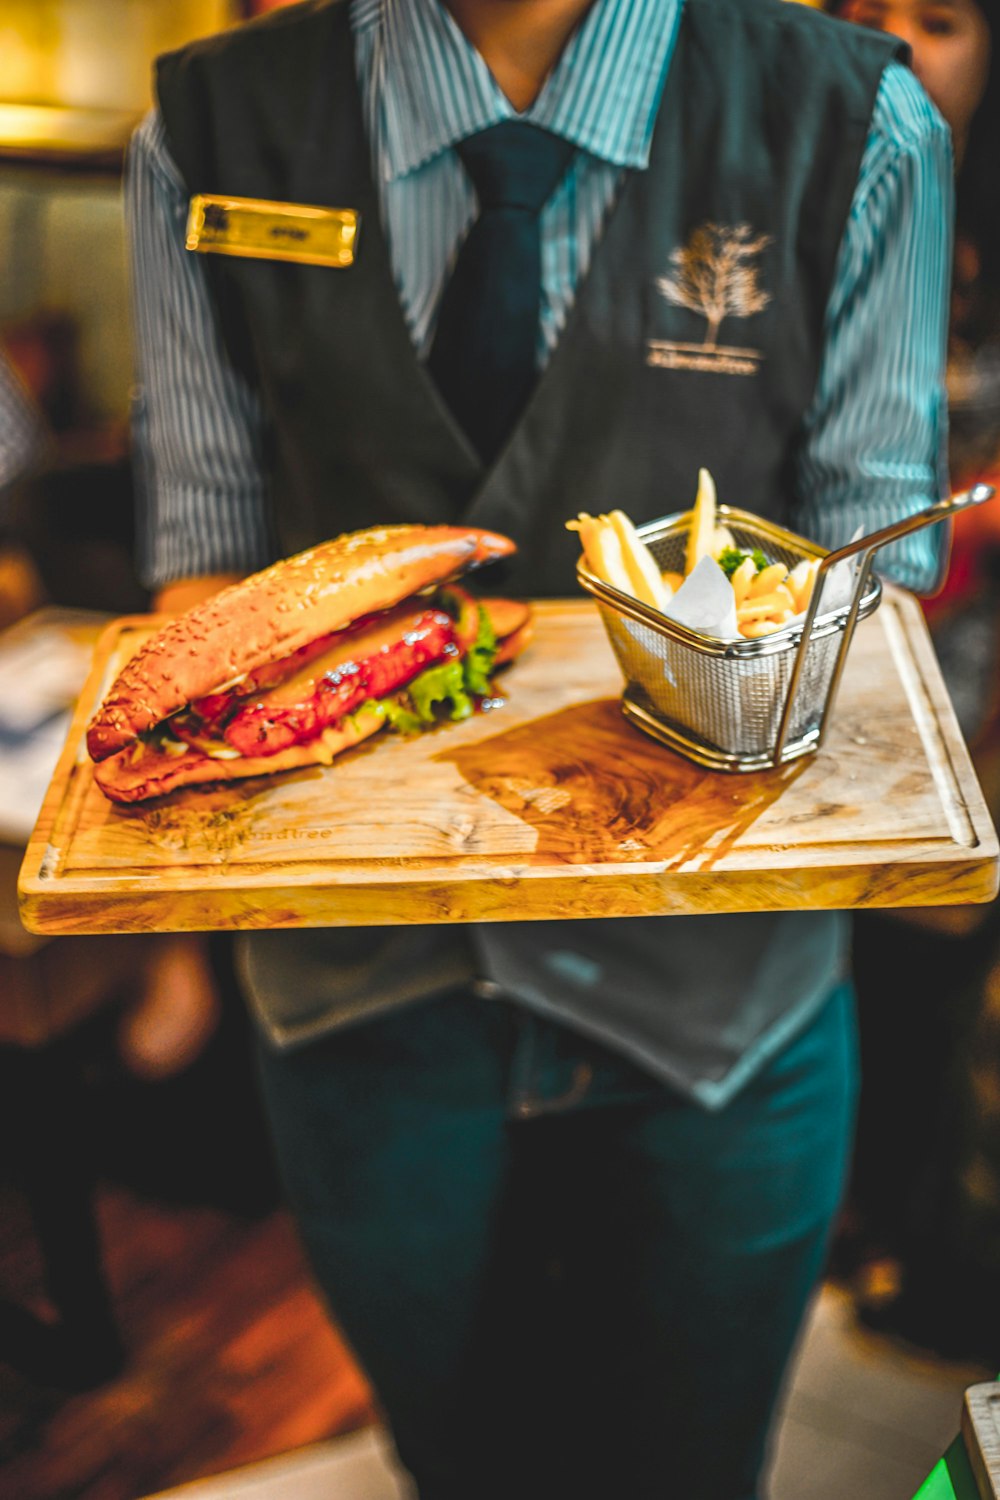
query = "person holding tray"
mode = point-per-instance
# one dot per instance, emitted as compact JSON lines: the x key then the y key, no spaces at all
{"x":567,"y":1185}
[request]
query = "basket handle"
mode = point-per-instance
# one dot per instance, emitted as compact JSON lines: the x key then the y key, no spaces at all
{"x":865,"y":548}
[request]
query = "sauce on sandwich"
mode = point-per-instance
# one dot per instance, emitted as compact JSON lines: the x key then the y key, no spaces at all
{"x":295,"y":699}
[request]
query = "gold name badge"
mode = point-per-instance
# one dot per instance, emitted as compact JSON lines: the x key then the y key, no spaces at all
{"x":261,"y":230}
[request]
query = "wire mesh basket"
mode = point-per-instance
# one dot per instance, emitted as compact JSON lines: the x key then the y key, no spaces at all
{"x":745,"y":705}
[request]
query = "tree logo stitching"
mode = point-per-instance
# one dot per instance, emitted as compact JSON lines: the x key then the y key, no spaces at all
{"x":714,"y":274}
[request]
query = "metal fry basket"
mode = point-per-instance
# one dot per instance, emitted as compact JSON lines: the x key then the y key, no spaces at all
{"x":746,"y":705}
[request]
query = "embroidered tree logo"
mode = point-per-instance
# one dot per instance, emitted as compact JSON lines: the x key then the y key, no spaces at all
{"x":713,"y":274}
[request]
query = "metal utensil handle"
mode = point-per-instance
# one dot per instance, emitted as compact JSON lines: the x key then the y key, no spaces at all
{"x":865,"y":547}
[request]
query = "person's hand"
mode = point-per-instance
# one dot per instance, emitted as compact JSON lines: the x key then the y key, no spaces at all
{"x":174,"y":1011}
{"x":184,"y":593}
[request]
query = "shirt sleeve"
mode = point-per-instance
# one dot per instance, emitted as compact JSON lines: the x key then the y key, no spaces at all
{"x":875,"y":436}
{"x":22,"y":430}
{"x":198,"y":428}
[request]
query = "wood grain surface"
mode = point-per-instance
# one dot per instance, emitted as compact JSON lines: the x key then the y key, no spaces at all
{"x":549,"y":806}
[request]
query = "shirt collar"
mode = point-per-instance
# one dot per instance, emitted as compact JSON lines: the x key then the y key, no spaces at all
{"x":602,"y":94}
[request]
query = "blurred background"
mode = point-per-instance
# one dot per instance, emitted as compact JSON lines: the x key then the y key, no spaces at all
{"x":74,"y":81}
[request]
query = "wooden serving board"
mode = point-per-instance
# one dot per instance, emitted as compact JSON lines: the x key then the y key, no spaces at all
{"x":550,"y":806}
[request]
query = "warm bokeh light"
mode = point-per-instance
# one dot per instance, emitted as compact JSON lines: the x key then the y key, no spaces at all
{"x":43,"y":128}
{"x":89,"y":55}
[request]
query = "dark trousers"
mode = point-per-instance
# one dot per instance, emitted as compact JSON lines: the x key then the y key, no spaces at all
{"x":563,"y":1279}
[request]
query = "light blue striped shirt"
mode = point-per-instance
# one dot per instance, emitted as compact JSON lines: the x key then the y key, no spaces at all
{"x":878,"y":411}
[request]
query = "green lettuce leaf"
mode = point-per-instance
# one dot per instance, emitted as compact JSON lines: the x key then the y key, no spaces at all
{"x":398,"y":717}
{"x":443,"y":687}
{"x":478,"y":664}
{"x":450,"y":687}
{"x":730,"y":558}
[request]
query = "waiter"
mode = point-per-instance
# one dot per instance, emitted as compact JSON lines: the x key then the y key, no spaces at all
{"x":567,"y":1186}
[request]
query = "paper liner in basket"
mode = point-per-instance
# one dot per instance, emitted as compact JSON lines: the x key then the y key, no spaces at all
{"x":735,"y":701}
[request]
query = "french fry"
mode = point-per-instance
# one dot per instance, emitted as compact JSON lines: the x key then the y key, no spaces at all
{"x":742,"y":579}
{"x":767,"y":580}
{"x":585,"y":526}
{"x":760,"y":607}
{"x":702,"y":523}
{"x":753,"y":629}
{"x":673,"y":581}
{"x":722,"y":538}
{"x":610,"y":564}
{"x":801,"y":581}
{"x":602,"y":550}
{"x":784,"y":594}
{"x":647,"y":585}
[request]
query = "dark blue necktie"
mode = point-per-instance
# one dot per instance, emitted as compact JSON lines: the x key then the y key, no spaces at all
{"x":484,"y":352}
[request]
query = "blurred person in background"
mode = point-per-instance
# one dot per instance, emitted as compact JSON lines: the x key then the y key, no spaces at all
{"x":170,"y":1021}
{"x":922,"y":1235}
{"x":21,"y":427}
{"x":172,"y":1009}
{"x":22,"y":443}
{"x":567,"y":1185}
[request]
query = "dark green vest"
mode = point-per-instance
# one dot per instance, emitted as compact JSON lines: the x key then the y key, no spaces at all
{"x":695,"y":338}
